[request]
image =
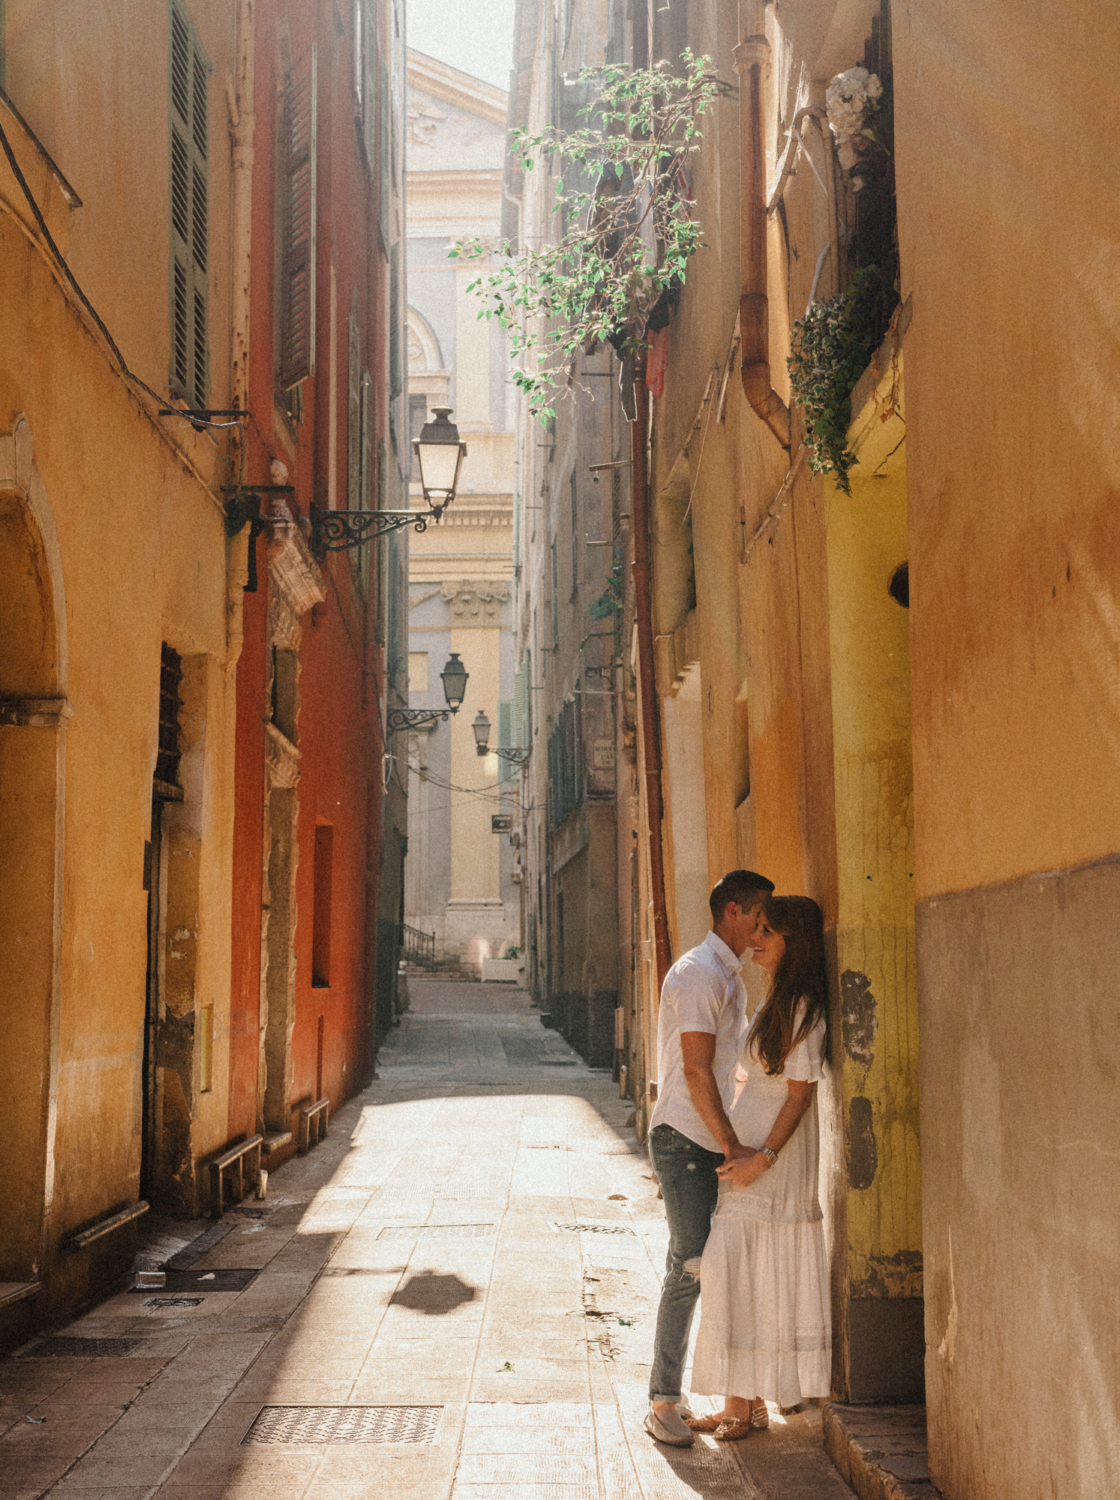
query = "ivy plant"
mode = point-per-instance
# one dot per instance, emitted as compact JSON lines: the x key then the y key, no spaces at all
{"x":831,"y":347}
{"x":624,"y":225}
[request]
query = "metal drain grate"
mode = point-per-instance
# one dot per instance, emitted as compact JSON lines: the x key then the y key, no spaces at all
{"x":226,"y":1280}
{"x":345,"y":1424}
{"x":437,"y":1231}
{"x":174,"y":1301}
{"x":592,"y":1229}
{"x":72,"y":1348}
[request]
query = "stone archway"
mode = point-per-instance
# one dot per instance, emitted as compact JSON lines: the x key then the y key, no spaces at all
{"x":33,"y":714}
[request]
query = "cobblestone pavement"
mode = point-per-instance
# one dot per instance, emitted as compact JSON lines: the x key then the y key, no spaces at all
{"x":451,"y":1298}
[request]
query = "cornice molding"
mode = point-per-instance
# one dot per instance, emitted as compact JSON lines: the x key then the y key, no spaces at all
{"x":442,"y":81}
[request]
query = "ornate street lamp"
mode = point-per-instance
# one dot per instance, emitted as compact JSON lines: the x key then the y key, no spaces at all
{"x":454,"y":678}
{"x":440,"y":455}
{"x":481,"y":728}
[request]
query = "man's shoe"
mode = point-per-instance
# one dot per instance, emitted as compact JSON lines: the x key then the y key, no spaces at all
{"x":668,"y":1426}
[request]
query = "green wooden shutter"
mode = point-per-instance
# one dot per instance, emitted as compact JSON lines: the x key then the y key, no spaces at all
{"x":298,"y":206}
{"x":190,"y":211}
{"x":505,"y":716}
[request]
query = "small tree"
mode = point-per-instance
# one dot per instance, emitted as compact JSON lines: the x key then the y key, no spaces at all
{"x":623,"y":242}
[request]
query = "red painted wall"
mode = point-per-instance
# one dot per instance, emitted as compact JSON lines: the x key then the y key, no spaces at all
{"x":340,"y":661}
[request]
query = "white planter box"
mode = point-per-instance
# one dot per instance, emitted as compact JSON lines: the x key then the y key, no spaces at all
{"x":502,"y":970}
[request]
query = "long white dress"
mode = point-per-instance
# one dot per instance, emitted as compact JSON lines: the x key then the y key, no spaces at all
{"x":765,"y":1318}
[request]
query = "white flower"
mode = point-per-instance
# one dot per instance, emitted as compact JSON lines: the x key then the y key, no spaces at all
{"x":848,"y":98}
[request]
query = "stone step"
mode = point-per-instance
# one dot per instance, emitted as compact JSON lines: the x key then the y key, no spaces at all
{"x":881,"y":1451}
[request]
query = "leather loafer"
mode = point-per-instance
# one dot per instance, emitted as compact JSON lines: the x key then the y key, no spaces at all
{"x":670,"y":1427}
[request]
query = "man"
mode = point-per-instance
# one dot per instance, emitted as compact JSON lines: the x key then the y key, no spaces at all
{"x":703,"y":1012}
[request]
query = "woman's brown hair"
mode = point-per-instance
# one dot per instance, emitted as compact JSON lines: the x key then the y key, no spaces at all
{"x":800,"y":975}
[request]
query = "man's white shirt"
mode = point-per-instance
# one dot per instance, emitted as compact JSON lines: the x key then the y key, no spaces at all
{"x":703,"y":991}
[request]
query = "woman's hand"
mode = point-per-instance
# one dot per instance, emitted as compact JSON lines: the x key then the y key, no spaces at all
{"x":744,"y":1169}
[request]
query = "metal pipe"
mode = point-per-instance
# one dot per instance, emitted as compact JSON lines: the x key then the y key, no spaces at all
{"x":643,"y":619}
{"x":751,"y":55}
{"x":241,"y":120}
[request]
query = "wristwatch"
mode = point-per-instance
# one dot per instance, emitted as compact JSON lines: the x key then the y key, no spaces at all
{"x":771,"y":1156}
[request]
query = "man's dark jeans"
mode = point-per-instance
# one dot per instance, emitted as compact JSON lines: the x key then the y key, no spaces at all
{"x":689,"y":1186}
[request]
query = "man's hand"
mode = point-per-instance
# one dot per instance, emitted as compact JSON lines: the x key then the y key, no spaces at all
{"x":744,"y":1169}
{"x":698,"y":1051}
{"x":734,"y":1151}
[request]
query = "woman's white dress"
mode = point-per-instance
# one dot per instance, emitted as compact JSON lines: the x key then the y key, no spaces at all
{"x":765,"y":1317}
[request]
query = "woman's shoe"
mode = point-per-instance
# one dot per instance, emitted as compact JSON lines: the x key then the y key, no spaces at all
{"x":760,"y":1417}
{"x":705,"y":1424}
{"x":733,"y":1430}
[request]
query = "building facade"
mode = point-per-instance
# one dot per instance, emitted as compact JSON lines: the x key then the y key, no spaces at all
{"x":460,"y":886}
{"x":119,"y":645}
{"x":884,"y":688}
{"x":181,"y":755}
{"x":318,"y":855}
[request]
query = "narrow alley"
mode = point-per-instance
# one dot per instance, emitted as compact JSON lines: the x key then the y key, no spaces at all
{"x":450,"y":1298}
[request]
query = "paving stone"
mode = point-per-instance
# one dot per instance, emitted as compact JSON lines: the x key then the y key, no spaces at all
{"x":367,"y":1295}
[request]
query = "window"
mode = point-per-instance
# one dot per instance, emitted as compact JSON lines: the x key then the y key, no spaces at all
{"x":206,"y":1049}
{"x":321,"y":911}
{"x":297,"y":205}
{"x":285,"y":669}
{"x":565,"y":764}
{"x":165,"y":783}
{"x":190,"y":210}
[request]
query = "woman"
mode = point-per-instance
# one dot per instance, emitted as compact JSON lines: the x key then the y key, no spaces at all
{"x":764,"y":1310}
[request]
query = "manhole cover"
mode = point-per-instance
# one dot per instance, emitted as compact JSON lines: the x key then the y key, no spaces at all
{"x":174,"y":1301}
{"x":64,"y":1348}
{"x":592,"y":1229}
{"x":227,"y":1280}
{"x":436,"y":1231}
{"x":345,"y":1424}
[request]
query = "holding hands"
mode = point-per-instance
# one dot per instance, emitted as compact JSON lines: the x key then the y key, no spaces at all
{"x":745,"y":1167}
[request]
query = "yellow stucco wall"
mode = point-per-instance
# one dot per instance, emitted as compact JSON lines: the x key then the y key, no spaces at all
{"x":134,"y":503}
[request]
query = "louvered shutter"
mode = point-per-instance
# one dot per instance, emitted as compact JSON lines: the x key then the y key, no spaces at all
{"x":190,"y":211}
{"x":297,"y":231}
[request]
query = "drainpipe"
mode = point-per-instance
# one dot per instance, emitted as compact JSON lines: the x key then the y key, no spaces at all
{"x":751,"y":56}
{"x":239,"y":92}
{"x":643,"y":619}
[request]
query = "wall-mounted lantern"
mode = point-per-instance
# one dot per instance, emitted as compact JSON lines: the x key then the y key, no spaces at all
{"x":440,"y":455}
{"x":454,"y":678}
{"x":481,"y":728}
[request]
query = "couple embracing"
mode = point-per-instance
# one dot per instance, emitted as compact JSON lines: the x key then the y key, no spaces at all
{"x":734,"y":1142}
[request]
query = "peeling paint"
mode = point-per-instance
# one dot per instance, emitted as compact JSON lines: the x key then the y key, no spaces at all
{"x":898,"y":1275}
{"x":863,"y":1152}
{"x":859,"y":1016}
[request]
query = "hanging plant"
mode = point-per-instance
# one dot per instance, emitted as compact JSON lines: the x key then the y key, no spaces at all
{"x":626,"y":235}
{"x":832,"y":346}
{"x":609,"y":602}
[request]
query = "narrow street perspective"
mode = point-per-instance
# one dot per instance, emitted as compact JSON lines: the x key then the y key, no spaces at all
{"x":452,"y":1298}
{"x":559,"y":750}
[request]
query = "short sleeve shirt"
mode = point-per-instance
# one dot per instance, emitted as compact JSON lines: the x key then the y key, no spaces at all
{"x":703,"y":991}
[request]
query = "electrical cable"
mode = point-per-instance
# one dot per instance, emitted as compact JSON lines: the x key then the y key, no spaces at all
{"x":64,"y":267}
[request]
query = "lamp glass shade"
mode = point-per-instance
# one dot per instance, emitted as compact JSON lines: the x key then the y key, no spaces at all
{"x":481,"y":727}
{"x":454,"y":677}
{"x":440,"y":454}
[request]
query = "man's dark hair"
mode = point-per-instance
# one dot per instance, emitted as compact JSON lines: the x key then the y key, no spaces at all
{"x":742,"y":886}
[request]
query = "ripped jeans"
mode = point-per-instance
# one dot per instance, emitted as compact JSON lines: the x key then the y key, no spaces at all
{"x":689,"y":1186}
